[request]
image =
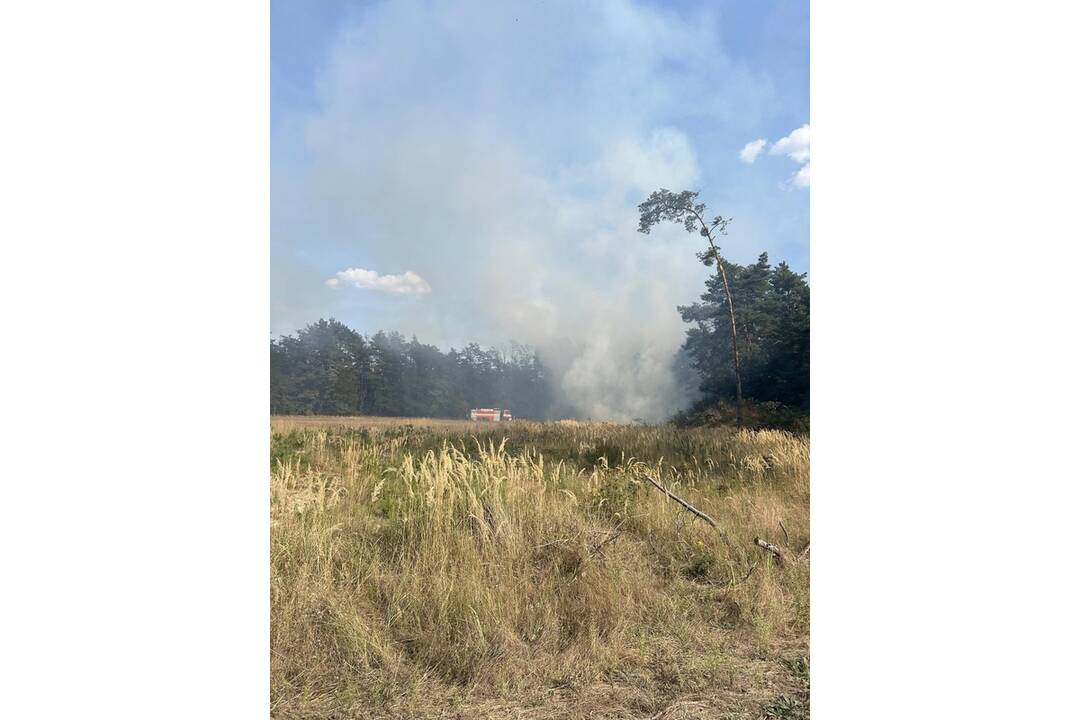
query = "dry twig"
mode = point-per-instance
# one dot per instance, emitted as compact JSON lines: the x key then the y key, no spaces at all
{"x":749,"y":572}
{"x":610,"y":538}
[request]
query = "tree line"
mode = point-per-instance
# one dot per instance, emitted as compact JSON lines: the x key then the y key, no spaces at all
{"x":328,"y":368}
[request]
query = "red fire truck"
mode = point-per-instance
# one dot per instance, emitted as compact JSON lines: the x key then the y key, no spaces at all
{"x":490,"y":415}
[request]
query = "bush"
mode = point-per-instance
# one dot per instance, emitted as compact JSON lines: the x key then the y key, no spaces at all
{"x":768,"y":415}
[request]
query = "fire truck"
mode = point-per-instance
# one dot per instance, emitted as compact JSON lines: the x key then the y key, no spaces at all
{"x":490,"y":415}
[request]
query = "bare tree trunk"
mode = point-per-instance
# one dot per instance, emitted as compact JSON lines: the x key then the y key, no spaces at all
{"x":705,"y":231}
{"x":734,"y":336}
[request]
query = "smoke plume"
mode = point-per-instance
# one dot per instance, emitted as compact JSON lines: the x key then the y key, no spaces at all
{"x":498,"y":151}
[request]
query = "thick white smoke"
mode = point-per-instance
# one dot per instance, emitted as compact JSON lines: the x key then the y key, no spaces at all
{"x":470,"y":143}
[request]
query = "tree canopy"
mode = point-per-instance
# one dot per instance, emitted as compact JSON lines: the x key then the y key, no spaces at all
{"x":773,"y":333}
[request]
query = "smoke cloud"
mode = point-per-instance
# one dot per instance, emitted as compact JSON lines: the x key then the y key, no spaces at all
{"x":500,"y":150}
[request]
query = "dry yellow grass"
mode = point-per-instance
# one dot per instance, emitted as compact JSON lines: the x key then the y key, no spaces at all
{"x":286,"y":423}
{"x":448,"y":569}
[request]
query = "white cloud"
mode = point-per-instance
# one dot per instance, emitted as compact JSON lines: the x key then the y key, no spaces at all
{"x":408,"y":283}
{"x":802,"y":178}
{"x":796,"y":145}
{"x":751,"y":150}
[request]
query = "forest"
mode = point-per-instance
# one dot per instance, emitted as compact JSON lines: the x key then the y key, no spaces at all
{"x":772,"y":318}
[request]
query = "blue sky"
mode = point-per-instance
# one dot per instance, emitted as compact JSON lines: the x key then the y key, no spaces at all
{"x":470,"y":171}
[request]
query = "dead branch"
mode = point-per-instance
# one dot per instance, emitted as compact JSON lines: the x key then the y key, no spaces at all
{"x":610,"y":538}
{"x":785,"y":531}
{"x":771,"y":548}
{"x":682,"y":502}
{"x":749,"y":572}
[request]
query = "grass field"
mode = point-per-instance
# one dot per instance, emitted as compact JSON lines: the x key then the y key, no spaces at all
{"x":446,"y":569}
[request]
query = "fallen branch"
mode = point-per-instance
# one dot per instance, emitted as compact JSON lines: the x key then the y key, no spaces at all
{"x":682,"y":502}
{"x":771,"y":548}
{"x":609,"y":539}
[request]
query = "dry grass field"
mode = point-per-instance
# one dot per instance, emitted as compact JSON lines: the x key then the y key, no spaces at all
{"x":445,"y":569}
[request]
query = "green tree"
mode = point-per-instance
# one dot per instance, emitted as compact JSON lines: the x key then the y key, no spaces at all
{"x":321,"y":370}
{"x":774,"y":334}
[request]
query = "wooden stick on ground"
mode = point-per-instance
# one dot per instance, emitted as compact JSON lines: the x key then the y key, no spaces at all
{"x":771,"y":548}
{"x":682,"y":502}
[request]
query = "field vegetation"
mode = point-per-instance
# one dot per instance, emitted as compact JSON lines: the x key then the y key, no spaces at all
{"x":446,"y":569}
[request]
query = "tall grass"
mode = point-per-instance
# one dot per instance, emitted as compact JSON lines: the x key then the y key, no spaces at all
{"x":418,"y":568}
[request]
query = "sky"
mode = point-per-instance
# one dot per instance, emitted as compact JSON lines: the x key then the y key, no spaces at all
{"x":470,"y":171}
